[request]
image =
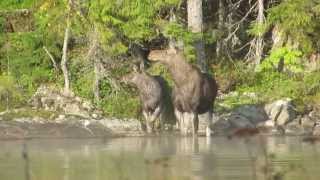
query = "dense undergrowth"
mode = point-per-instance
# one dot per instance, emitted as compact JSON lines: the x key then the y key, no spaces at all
{"x":251,"y":87}
{"x":246,"y":87}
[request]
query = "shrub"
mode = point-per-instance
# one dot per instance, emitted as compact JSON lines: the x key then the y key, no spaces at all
{"x":291,"y":60}
{"x":10,"y":96}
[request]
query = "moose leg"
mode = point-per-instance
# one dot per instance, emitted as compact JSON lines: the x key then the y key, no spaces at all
{"x":184,"y":123}
{"x":209,"y":122}
{"x":156,"y":116}
{"x":162,"y":122}
{"x":148,"y":123}
{"x":187,"y":125}
{"x":195,"y":124}
{"x":178,"y":115}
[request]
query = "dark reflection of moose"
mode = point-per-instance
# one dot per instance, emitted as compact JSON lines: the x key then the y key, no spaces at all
{"x":194,"y":92}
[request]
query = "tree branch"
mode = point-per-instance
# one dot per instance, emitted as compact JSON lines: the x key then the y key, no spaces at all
{"x":52,"y":59}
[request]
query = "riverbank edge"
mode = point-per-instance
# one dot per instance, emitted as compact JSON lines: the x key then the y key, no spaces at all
{"x":279,"y":117}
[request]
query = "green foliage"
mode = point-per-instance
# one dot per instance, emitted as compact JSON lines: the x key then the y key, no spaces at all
{"x":9,"y":91}
{"x":7,"y":84}
{"x":133,"y":20}
{"x":265,"y":86}
{"x":179,"y":32}
{"x":2,"y":23}
{"x":122,"y":22}
{"x":291,"y":59}
{"x":121,"y":105}
{"x":293,"y":14}
{"x":82,"y":85}
{"x":299,"y":19}
{"x":257,"y":29}
{"x":28,"y":113}
{"x":17,"y":4}
{"x":273,"y":85}
{"x":27,"y":61}
{"x":312,"y":86}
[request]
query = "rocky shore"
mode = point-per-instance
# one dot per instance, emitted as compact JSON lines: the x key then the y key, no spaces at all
{"x":276,"y":118}
{"x":69,"y":128}
{"x":72,"y":117}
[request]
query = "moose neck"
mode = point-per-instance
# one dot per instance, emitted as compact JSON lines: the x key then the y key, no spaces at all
{"x":179,"y":68}
{"x":142,"y":82}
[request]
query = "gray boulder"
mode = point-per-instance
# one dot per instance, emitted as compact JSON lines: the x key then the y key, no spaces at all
{"x":253,"y":113}
{"x":239,"y":121}
{"x":281,"y":111}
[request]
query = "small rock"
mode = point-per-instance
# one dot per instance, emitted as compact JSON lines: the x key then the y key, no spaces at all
{"x":78,"y":99}
{"x":37,"y":119}
{"x":316,"y":129}
{"x":95,"y":116}
{"x":87,"y":105}
{"x":61,"y":117}
{"x":269,"y":123}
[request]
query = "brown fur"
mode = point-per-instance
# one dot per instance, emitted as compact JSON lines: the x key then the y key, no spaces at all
{"x":194,"y":92}
{"x":151,"y":92}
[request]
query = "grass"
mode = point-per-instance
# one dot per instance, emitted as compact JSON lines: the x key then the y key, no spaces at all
{"x":28,"y":113}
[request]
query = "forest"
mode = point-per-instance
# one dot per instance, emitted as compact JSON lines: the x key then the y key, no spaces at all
{"x":257,"y":50}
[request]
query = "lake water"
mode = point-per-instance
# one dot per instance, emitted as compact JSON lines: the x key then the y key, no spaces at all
{"x":161,"y":158}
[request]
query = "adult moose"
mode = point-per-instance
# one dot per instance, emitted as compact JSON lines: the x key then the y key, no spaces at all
{"x":194,"y":92}
{"x":152,"y":94}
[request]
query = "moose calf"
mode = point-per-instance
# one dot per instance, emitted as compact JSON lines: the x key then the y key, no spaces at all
{"x":151,"y":92}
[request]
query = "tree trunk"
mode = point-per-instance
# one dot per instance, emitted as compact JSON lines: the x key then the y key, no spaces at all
{"x":7,"y":101}
{"x":195,"y":24}
{"x":278,"y":37}
{"x":221,"y":15}
{"x":64,"y":60}
{"x":259,"y":40}
{"x":97,"y":78}
{"x":94,"y":55}
{"x":55,"y":66}
{"x":172,"y":41}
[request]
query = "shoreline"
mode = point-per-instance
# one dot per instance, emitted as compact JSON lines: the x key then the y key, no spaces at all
{"x":276,"y":118}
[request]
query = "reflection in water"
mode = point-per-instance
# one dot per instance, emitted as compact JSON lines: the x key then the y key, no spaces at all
{"x":161,"y":158}
{"x":25,"y":157}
